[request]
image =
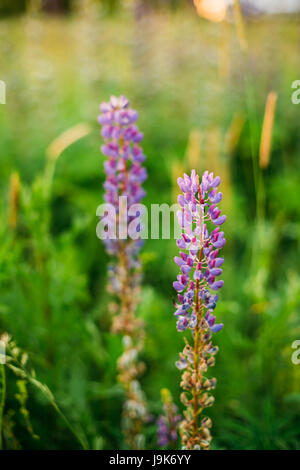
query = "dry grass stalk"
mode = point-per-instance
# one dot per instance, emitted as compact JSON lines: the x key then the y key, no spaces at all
{"x":193,"y":149}
{"x":267,"y":130}
{"x":14,"y":199}
{"x":234,"y":132}
{"x":240,"y":26}
{"x":66,"y":139}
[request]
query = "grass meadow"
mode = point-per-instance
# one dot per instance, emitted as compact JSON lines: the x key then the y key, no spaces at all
{"x":201,"y":90}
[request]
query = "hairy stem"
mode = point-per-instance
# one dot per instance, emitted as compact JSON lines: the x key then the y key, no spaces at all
{"x":197,"y":336}
{"x":196,"y":362}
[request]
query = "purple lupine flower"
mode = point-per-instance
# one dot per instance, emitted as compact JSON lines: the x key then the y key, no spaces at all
{"x":162,"y":431}
{"x":124,"y":172}
{"x":200,"y":261}
{"x":124,"y":177}
{"x":200,"y":266}
{"x":123,"y":167}
{"x":167,"y":423}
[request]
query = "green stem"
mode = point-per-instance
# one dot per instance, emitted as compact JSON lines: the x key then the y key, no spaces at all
{"x":48,"y":394}
{"x":196,"y":362}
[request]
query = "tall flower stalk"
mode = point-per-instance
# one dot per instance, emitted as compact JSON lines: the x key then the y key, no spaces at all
{"x":200,"y":266}
{"x":124,"y":177}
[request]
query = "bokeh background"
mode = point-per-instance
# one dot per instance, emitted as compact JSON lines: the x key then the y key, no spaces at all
{"x":201,"y":88}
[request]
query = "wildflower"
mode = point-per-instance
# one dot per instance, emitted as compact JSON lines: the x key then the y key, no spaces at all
{"x":123,"y":167}
{"x":124,"y":177}
{"x":167,"y":423}
{"x":200,"y":266}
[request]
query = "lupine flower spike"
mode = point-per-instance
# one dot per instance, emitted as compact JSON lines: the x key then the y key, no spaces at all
{"x":167,"y":423}
{"x":200,"y":264}
{"x":124,"y":177}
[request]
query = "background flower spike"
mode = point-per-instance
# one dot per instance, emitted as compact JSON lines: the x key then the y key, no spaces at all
{"x":124,"y":177}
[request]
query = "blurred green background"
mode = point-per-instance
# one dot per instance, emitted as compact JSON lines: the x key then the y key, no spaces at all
{"x":201,"y":100}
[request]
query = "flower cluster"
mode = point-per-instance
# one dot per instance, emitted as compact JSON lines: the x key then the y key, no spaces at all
{"x":199,"y":260}
{"x":123,"y":167}
{"x":124,"y":177}
{"x":167,"y":423}
{"x":200,"y":267}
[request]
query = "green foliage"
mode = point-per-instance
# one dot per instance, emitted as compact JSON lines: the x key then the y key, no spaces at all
{"x":22,"y":397}
{"x":17,"y":363}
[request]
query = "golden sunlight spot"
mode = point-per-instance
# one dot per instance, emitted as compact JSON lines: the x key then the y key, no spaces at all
{"x":213,"y":10}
